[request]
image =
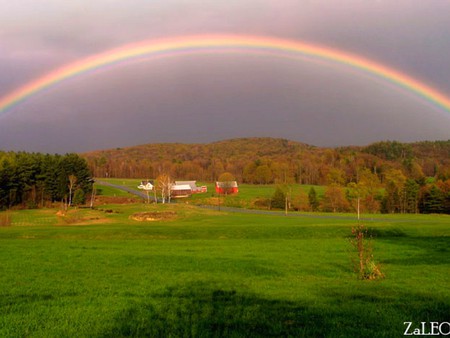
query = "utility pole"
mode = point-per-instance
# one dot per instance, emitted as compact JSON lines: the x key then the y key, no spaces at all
{"x":286,"y":206}
{"x":286,"y":203}
{"x":358,"y":209}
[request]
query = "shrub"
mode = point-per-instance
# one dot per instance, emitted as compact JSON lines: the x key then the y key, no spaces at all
{"x":364,"y":265}
{"x":261,"y":203}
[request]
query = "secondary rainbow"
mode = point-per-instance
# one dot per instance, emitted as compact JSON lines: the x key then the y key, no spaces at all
{"x":239,"y":43}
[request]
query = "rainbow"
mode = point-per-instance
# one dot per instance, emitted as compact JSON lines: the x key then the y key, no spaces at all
{"x":233,"y":43}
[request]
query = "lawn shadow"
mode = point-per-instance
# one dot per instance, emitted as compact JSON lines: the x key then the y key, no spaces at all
{"x":431,"y":250}
{"x":387,"y":232}
{"x":203,"y":310}
{"x":428,"y":250}
{"x":200,"y":310}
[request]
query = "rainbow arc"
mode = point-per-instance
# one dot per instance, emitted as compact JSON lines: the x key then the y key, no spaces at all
{"x":233,"y":43}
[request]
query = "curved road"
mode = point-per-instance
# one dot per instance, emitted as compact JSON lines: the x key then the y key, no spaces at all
{"x":121,"y":187}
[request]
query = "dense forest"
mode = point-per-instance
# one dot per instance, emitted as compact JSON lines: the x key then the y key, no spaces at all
{"x":383,"y":177}
{"x":390,"y":176}
{"x":34,"y":180}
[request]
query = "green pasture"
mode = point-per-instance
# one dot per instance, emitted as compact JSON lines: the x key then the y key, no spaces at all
{"x":127,"y":182}
{"x":99,"y":273}
{"x":247,"y":192}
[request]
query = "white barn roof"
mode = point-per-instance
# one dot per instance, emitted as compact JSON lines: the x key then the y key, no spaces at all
{"x":181,"y":187}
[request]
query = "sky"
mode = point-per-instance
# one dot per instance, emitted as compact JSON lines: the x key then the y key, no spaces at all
{"x":210,"y":96}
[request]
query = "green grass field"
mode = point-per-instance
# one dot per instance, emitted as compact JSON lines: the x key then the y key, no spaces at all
{"x":98,"y":273}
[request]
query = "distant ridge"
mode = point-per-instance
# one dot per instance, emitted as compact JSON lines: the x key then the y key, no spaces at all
{"x":205,"y":161}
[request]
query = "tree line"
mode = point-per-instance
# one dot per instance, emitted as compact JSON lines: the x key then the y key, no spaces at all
{"x":35,"y":180}
{"x":398,"y":195}
{"x":389,"y":176}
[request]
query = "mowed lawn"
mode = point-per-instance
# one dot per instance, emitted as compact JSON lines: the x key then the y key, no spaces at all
{"x":207,"y":273}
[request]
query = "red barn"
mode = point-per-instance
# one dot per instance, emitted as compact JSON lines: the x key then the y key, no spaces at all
{"x":230,"y":187}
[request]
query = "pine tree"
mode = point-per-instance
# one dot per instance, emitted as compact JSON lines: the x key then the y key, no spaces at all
{"x":278,"y":200}
{"x":411,"y":196}
{"x":433,"y":201}
{"x":313,"y":200}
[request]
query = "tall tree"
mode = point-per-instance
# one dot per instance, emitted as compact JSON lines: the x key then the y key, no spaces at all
{"x":313,"y":199}
{"x":394,"y":191}
{"x":164,"y":186}
{"x":278,"y":200}
{"x":433,"y":201}
{"x":411,"y":196}
{"x":334,"y":199}
{"x":72,"y":185}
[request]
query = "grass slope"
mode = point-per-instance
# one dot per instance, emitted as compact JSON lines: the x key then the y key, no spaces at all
{"x":207,"y":273}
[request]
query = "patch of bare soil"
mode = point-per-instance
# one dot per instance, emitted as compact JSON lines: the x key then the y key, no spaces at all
{"x":115,"y":200}
{"x":73,"y":217}
{"x":153,"y":216}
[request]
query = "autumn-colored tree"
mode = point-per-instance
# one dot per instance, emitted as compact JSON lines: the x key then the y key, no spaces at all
{"x":282,"y":173}
{"x":334,"y":199}
{"x":335,"y":176}
{"x":369,"y":184}
{"x":249,"y":172}
{"x":227,"y":181}
{"x":300,"y":201}
{"x":263,"y":174}
{"x":363,"y":194}
{"x":226,"y":177}
{"x":393,"y":200}
{"x":216,"y":168}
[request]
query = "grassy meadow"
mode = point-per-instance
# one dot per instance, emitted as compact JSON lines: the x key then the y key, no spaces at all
{"x":193,"y":272}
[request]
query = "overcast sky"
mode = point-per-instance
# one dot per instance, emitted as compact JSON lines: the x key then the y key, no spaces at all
{"x":208,"y":97}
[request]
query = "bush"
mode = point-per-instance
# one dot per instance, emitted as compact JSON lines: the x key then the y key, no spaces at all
{"x":262,"y":203}
{"x":364,"y":265}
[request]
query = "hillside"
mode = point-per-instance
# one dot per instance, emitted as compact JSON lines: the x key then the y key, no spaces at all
{"x":269,"y":160}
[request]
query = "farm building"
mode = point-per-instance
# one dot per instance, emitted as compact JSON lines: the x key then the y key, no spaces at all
{"x":193,"y":185}
{"x":180,"y":190}
{"x":230,"y":187}
{"x":146,"y":185}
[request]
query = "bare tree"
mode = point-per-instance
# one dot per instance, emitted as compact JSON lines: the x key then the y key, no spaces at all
{"x":164,"y":186}
{"x":72,"y":185}
{"x":93,"y":194}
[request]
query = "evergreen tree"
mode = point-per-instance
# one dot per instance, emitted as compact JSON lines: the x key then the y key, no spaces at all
{"x":278,"y":200}
{"x":313,"y":200}
{"x":411,"y":196}
{"x":79,"y":197}
{"x":433,"y":201}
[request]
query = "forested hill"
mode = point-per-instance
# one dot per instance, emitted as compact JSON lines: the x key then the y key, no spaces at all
{"x":269,"y":160}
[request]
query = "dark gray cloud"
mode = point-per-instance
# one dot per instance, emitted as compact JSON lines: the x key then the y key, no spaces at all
{"x":201,"y":98}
